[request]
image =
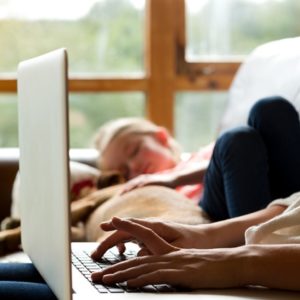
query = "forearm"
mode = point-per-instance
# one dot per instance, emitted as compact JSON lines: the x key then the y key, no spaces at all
{"x":230,"y":233}
{"x":192,"y":174}
{"x":273,"y":266}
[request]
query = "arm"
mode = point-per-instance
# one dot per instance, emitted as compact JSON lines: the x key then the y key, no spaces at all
{"x":273,"y":266}
{"x":230,"y":232}
{"x":227,"y":233}
{"x":193,"y":173}
{"x":201,"y":268}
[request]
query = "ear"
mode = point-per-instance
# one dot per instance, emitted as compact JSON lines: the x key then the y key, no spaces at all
{"x":162,"y":136}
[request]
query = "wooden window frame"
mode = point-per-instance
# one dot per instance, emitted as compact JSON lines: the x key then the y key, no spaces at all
{"x":166,"y":68}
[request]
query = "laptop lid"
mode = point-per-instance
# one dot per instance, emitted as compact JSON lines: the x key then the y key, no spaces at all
{"x":44,"y":170}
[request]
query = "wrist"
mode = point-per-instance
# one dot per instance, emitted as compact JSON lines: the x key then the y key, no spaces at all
{"x":251,"y":256}
{"x":247,"y":257}
{"x":219,"y":234}
{"x":205,"y":237}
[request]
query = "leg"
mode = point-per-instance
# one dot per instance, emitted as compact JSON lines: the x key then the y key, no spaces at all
{"x":22,"y":281}
{"x":277,"y":121}
{"x":236,"y":181}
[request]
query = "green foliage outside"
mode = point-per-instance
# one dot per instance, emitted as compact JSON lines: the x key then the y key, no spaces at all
{"x":109,"y":39}
{"x":241,"y":25}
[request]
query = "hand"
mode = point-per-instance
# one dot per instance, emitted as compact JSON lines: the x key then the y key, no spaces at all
{"x":189,"y":268}
{"x":162,"y":179}
{"x":178,"y":235}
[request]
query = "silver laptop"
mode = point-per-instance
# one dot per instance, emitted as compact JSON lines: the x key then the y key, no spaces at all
{"x":44,"y":179}
{"x":44,"y":185}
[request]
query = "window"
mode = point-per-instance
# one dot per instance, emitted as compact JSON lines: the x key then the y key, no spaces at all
{"x":89,"y":110}
{"x":218,"y":36}
{"x":8,"y":121}
{"x":197,"y":116}
{"x":103,"y":38}
{"x":218,"y":29}
{"x":171,"y":61}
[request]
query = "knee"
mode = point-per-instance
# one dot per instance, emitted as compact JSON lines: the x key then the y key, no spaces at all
{"x":239,"y":142}
{"x":269,"y":109}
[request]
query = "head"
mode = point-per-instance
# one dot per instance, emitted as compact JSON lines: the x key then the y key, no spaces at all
{"x":135,"y":146}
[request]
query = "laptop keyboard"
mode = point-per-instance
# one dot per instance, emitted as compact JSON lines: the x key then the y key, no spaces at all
{"x":83,"y":262}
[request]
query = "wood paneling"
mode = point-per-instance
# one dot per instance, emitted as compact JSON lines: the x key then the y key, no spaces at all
{"x":8,"y":85}
{"x":160,"y":61}
{"x":108,"y":85}
{"x":83,"y":85}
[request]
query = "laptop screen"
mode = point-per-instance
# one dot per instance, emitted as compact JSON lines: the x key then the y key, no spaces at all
{"x":44,"y":174}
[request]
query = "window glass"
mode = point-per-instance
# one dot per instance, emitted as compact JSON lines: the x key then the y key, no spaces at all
{"x":218,"y":28}
{"x":102,"y":36}
{"x":8,"y":120}
{"x":197,"y":116}
{"x":89,"y":111}
{"x":86,"y":113}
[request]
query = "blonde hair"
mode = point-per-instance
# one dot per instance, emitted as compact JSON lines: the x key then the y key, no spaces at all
{"x":110,"y":130}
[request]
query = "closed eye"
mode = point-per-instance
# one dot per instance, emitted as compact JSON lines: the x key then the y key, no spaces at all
{"x":135,"y":150}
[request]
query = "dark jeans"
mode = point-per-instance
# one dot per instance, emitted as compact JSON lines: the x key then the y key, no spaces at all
{"x":251,"y":166}
{"x":22,"y":281}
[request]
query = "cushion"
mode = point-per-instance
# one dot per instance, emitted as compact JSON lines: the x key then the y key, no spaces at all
{"x":271,"y":69}
{"x":83,"y":180}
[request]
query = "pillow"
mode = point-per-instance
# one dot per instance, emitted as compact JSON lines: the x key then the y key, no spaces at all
{"x":272,"y":69}
{"x":83,"y":180}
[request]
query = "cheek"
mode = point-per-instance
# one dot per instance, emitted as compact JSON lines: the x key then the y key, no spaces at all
{"x":158,"y":154}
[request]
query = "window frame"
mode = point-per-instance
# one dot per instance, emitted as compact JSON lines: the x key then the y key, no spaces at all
{"x":166,"y":68}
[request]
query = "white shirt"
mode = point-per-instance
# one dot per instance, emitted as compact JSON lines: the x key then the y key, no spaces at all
{"x":283,"y":229}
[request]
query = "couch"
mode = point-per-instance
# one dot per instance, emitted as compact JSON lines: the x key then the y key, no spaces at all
{"x":271,"y":69}
{"x":9,"y":165}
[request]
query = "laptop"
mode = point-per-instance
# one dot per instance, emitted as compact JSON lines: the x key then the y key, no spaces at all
{"x":44,"y":191}
{"x":44,"y":185}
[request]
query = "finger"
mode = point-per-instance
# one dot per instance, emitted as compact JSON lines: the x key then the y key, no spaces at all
{"x":107,"y":226}
{"x":121,"y":247}
{"x":143,"y":252}
{"x":158,"y":276}
{"x":154,"y":243}
{"x":142,"y":275}
{"x":125,"y":190}
{"x":131,"y":185}
{"x":161,"y":228}
{"x":126,"y":270}
{"x":128,"y":189}
{"x":124,"y":265}
{"x":114,"y":239}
